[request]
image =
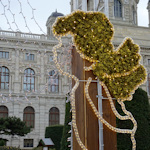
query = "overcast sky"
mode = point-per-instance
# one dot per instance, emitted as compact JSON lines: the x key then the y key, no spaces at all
{"x":43,"y":8}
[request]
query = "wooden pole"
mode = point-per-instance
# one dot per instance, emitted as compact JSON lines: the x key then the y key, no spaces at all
{"x":86,"y":120}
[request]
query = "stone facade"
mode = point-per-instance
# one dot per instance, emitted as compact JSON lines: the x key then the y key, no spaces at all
{"x":16,"y":99}
{"x":128,"y":9}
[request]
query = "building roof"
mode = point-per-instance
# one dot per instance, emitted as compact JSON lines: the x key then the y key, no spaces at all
{"x":53,"y":15}
{"x":56,"y":14}
{"x":47,"y":142}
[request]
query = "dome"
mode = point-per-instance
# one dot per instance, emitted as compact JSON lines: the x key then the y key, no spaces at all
{"x":56,"y":14}
{"x":53,"y":15}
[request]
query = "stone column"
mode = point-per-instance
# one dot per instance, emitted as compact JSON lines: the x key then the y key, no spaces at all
{"x":17,"y":82}
{"x":42,"y":77}
{"x":84,"y":5}
{"x":42,"y":118}
{"x":106,"y":8}
{"x":17,"y":66}
{"x":95,"y":5}
{"x":75,"y":4}
{"x":16,"y":109}
{"x":37,"y":120}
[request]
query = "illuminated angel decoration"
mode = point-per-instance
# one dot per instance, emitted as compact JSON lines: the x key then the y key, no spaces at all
{"x":119,"y":71}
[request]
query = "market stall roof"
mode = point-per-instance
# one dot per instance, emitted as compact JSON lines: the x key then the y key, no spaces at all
{"x":47,"y":142}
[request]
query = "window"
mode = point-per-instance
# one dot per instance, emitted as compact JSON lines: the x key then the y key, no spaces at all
{"x":4,"y":78}
{"x":4,"y":54}
{"x":53,"y":81}
{"x":28,"y":142}
{"x":148,"y":61}
{"x":29,"y":56}
{"x":54,"y":116}
{"x":29,"y":80}
{"x":3,"y":112}
{"x":29,"y":116}
{"x":117,"y":8}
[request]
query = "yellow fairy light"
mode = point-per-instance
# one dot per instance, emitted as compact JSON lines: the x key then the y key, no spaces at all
{"x":90,"y":67}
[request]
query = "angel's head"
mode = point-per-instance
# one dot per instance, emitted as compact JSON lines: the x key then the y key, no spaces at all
{"x":92,"y":32}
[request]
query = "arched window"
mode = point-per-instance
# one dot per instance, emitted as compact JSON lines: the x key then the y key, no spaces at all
{"x":54,"y":116}
{"x":117,"y":8}
{"x":3,"y":112}
{"x":29,"y":116}
{"x":29,"y":79}
{"x":53,"y":81}
{"x":4,"y":78}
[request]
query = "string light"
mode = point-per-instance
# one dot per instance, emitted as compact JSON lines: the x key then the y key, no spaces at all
{"x":33,"y":17}
{"x":4,"y":13}
{"x":115,"y":75}
{"x":90,"y":67}
{"x":98,"y":114}
{"x":128,"y":114}
{"x":23,"y":16}
{"x":72,"y":94}
{"x":13,"y":15}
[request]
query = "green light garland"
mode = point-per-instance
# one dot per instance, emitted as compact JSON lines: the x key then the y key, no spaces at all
{"x":120,"y":70}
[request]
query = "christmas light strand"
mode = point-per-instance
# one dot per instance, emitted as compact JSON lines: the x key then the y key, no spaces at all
{"x":33,"y":17}
{"x":8,"y":8}
{"x":74,"y":125}
{"x":128,"y":114}
{"x":13,"y":15}
{"x":133,"y":121}
{"x":98,"y":114}
{"x":90,"y":67}
{"x":4,"y":14}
